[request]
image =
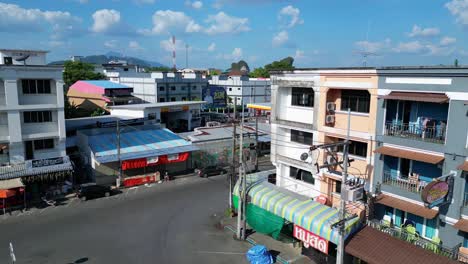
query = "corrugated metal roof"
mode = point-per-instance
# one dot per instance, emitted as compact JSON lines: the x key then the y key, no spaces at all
{"x":137,"y":144}
{"x":106,"y":84}
{"x":406,"y":206}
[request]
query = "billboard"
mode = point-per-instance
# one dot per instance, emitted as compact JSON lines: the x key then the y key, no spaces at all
{"x":215,"y":96}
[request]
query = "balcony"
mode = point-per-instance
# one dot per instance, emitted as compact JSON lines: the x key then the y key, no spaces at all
{"x":434,"y":245}
{"x":435,"y":134}
{"x":406,"y":183}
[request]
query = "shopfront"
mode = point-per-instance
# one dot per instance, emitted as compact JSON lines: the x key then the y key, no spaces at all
{"x":312,"y":220}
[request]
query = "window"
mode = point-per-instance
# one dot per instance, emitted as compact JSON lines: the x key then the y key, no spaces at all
{"x":172,"y":88}
{"x":182,"y":88}
{"x":302,"y":97}
{"x":238,"y":89}
{"x":301,"y":175}
{"x":230,"y":89}
{"x":161,"y":88}
{"x":37,"y":117}
{"x":356,"y":100}
{"x":194,"y":87}
{"x":356,"y":148}
{"x":43,"y":144}
{"x":337,"y":187}
{"x":184,"y":99}
{"x":36,"y":86}
{"x":173,"y":99}
{"x":302,"y":137}
{"x":162,"y":99}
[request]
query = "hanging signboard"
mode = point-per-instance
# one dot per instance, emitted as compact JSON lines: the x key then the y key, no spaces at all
{"x":152,"y":160}
{"x":310,"y":239}
{"x":437,"y":192}
{"x":215,"y":96}
{"x":47,"y":162}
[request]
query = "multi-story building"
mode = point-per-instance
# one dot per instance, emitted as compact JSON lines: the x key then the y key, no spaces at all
{"x":294,"y":116}
{"x":32,"y":123}
{"x":243,"y":89}
{"x":422,"y":138}
{"x":154,"y":87}
{"x":342,"y":89}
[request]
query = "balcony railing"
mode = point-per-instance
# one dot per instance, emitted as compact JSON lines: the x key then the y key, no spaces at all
{"x":435,"y":134}
{"x":404,"y":183}
{"x":416,"y":239}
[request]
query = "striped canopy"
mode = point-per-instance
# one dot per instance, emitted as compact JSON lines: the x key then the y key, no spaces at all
{"x":298,"y":209}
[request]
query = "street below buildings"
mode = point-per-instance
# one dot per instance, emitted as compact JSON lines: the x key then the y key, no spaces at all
{"x":174,"y":222}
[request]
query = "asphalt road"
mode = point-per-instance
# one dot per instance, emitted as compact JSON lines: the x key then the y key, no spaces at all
{"x":172,"y":222}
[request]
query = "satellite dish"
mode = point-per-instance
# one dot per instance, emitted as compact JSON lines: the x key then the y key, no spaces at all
{"x":304,"y":156}
{"x":23,"y":58}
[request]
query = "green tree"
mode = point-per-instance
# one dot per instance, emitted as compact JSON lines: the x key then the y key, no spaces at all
{"x":237,"y":66}
{"x":259,"y":73}
{"x":99,"y":112}
{"x":285,"y":64}
{"x":77,"y":70}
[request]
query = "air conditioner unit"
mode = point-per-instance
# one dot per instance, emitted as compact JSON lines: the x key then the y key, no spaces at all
{"x":329,"y":119}
{"x":355,"y":194}
{"x":331,"y":106}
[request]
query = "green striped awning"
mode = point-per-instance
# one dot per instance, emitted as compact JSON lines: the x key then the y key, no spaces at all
{"x":298,"y":209}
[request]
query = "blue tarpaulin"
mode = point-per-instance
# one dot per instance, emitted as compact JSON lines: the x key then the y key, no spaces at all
{"x":259,"y":254}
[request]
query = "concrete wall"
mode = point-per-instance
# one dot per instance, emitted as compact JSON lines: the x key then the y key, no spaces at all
{"x":35,"y":58}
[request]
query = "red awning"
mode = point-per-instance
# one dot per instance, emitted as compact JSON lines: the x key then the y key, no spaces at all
{"x":145,"y":162}
{"x":418,"y":97}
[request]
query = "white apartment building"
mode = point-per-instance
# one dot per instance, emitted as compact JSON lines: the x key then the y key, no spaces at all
{"x":246,"y":90}
{"x":294,"y":99}
{"x":155,"y":87}
{"x":32,"y":122}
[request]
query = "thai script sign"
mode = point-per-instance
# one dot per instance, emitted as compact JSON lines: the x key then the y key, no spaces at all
{"x":215,"y":96}
{"x":47,"y":162}
{"x":310,"y":239}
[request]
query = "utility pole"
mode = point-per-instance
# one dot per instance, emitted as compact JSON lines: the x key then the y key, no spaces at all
{"x":341,"y":246}
{"x":119,"y":179}
{"x":242,"y":185}
{"x":257,"y":150}
{"x":233,"y":163}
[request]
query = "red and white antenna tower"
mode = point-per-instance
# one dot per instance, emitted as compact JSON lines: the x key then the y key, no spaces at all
{"x":174,"y":53}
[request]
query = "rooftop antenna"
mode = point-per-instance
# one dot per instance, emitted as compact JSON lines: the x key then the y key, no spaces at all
{"x":23,"y":58}
{"x":186,"y":55}
{"x":366,"y":53}
{"x":174,"y":53}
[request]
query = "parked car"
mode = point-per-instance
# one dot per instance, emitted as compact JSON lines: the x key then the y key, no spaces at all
{"x":90,"y":191}
{"x":210,"y":171}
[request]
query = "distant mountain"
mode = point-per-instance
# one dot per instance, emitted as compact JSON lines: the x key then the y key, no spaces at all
{"x":105,"y":58}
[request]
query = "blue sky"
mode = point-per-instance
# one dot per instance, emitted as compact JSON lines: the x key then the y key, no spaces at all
{"x":317,"y":33}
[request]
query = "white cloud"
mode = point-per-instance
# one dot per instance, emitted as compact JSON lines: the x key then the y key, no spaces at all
{"x":437,"y":50}
{"x":424,"y":32}
{"x":194,"y":4}
{"x":410,"y":47}
{"x":445,"y":41}
{"x":368,"y":46}
{"x":212,"y":46}
{"x":223,"y":23}
{"x":299,"y":55}
{"x":292,"y":14}
{"x":235,"y":55}
{"x":459,"y":9}
{"x":168,"y":21}
{"x":105,"y":20}
{"x":280,"y":39}
{"x":110,"y":44}
{"x":133,"y":45}
{"x":14,"y":18}
{"x":56,"y":43}
{"x":167,"y":45}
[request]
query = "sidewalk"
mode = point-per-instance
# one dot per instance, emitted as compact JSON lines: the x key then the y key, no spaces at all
{"x":284,"y":253}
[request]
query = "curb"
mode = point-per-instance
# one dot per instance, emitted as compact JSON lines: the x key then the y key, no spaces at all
{"x":253,"y":243}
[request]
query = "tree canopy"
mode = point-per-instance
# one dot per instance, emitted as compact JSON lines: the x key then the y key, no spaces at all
{"x":237,"y":66}
{"x":284,"y":64}
{"x":77,"y":70}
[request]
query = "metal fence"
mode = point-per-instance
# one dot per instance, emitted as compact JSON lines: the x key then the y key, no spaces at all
{"x":401,"y":183}
{"x":435,"y":134}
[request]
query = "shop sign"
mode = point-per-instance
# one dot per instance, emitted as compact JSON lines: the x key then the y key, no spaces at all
{"x":310,"y":239}
{"x":172,"y":157}
{"x":47,"y":162}
{"x":437,"y":192}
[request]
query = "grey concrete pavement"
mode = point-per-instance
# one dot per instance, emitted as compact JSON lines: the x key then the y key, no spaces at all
{"x":173,"y":222}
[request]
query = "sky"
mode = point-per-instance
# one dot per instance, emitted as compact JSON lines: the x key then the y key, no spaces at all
{"x":316,"y":33}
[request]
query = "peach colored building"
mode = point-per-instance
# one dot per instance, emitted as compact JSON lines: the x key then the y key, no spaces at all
{"x":339,"y":90}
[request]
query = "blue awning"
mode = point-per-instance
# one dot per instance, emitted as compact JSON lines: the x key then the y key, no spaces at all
{"x":138,"y":144}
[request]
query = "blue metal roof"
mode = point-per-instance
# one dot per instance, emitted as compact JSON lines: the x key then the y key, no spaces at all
{"x":137,"y":144}
{"x":106,"y":84}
